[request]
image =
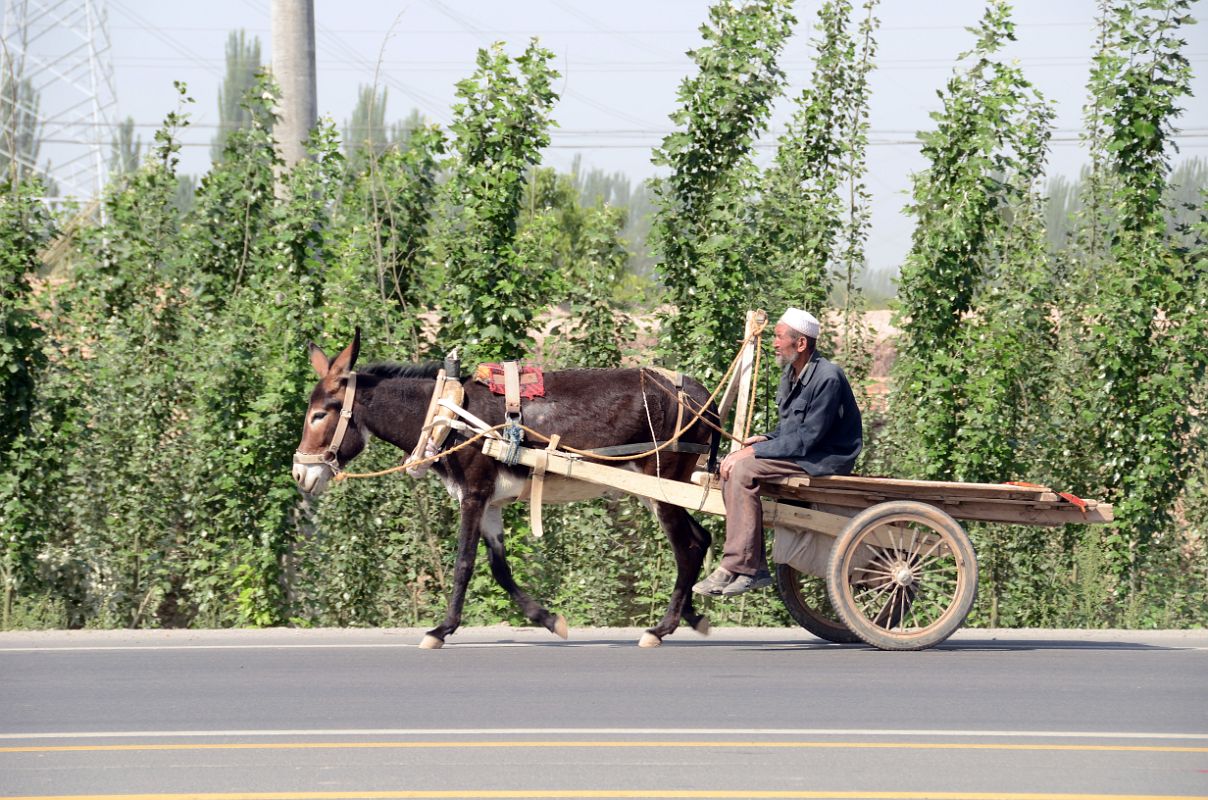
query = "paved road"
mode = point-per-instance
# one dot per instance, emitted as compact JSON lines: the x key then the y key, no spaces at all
{"x":501,"y":712}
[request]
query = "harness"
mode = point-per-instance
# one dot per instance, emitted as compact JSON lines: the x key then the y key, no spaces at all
{"x":328,"y":456}
{"x":447,"y":392}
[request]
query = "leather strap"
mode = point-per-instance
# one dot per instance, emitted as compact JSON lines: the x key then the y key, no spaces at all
{"x":511,"y":388}
{"x":539,"y":485}
{"x":328,"y":456}
{"x":425,"y":431}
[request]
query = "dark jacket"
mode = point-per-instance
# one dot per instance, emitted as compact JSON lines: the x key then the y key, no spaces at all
{"x":820,"y":427}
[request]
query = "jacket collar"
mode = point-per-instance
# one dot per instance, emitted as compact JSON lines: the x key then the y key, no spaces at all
{"x":790,"y":383}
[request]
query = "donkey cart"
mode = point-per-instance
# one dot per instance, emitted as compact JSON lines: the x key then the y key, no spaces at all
{"x":877,"y":560}
{"x":899,"y":572}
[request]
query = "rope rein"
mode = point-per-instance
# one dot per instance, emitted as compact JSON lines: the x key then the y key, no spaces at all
{"x":697,"y":415}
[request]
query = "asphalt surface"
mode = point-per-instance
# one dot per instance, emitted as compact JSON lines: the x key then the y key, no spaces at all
{"x":502,"y":712}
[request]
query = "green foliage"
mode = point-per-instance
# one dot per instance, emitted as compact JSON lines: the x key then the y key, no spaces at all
{"x":153,"y":390}
{"x":1141,"y":333}
{"x":500,"y":124}
{"x":25,"y":228}
{"x":242,"y":67}
{"x":19,"y":102}
{"x":984,"y":155}
{"x":702,"y":227}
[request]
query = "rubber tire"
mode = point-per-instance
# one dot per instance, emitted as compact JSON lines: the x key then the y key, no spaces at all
{"x":805,"y":615}
{"x":839,"y":570}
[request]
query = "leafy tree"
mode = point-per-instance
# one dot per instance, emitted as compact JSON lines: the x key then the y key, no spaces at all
{"x":616,"y":190}
{"x":814,"y":207}
{"x":384,"y":221}
{"x":1142,"y":328}
{"x":583,"y":246}
{"x":500,"y":124}
{"x":25,"y":228}
{"x":242,"y":66}
{"x":126,"y":149}
{"x":20,"y":138}
{"x":702,"y":228}
{"x":986,"y":150}
{"x":235,"y":201}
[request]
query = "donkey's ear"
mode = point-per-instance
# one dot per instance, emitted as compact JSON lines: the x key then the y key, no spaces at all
{"x":318,"y":360}
{"x":346,"y":360}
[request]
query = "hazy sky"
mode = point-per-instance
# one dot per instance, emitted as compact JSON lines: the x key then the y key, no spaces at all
{"x":621,"y":63}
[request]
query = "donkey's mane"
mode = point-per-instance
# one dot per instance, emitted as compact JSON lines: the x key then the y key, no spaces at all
{"x":390,"y":369}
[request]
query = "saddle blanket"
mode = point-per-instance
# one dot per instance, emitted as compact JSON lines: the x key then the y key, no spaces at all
{"x":532,"y":380}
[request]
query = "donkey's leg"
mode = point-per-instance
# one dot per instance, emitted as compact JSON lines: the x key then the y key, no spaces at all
{"x":492,"y":534}
{"x":699,"y":622}
{"x":689,"y":541}
{"x":467,"y":549}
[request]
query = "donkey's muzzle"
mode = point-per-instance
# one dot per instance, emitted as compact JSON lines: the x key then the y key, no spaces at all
{"x":311,"y":477}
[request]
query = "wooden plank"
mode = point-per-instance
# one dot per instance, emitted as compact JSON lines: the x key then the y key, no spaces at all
{"x":1034,"y":508}
{"x":679,"y":493}
{"x":1020,"y":512}
{"x":746,"y":379}
{"x":913,"y":488}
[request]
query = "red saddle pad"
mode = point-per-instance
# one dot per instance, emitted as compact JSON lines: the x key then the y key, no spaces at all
{"x":532,"y":380}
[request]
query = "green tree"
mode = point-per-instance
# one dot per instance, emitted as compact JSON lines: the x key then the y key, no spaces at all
{"x":25,"y":229}
{"x":20,"y":137}
{"x":383,"y":225}
{"x":986,"y":150}
{"x":365,"y":133}
{"x":702,"y":228}
{"x":242,"y":65}
{"x":1141,"y":328}
{"x":500,"y":124}
{"x":814,"y":206}
{"x":126,"y":149}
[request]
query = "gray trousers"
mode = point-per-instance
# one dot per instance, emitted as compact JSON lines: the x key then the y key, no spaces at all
{"x":744,"y":551}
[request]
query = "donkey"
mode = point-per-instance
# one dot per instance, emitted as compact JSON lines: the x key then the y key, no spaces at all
{"x":588,"y":408}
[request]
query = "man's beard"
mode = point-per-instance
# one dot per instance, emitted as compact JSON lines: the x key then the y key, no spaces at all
{"x":781,"y":361}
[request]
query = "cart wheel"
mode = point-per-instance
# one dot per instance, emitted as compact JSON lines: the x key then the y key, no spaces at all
{"x":902,"y":575}
{"x":806,"y":599}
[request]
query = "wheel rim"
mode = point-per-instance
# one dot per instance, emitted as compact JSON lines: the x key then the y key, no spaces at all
{"x":906,"y":575}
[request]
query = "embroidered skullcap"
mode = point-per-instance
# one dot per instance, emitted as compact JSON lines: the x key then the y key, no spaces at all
{"x":801,"y":321}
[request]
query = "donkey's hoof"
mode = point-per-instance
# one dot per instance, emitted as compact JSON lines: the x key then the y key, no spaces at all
{"x":430,"y":642}
{"x":702,"y":626}
{"x":649,"y":640}
{"x":560,"y":627}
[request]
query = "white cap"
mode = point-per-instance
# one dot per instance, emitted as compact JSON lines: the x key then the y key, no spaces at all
{"x":801,"y":321}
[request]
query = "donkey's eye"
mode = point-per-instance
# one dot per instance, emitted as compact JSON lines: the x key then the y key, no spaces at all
{"x":317,"y":417}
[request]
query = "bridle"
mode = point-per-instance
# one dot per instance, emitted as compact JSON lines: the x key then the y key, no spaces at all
{"x":328,"y":456}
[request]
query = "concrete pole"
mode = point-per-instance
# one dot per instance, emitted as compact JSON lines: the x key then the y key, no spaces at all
{"x":294,"y":68}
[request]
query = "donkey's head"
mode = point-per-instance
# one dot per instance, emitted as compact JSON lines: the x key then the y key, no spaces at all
{"x":331,"y":436}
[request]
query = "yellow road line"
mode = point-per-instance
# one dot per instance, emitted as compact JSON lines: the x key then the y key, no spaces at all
{"x":573,"y":794}
{"x":605,"y":744}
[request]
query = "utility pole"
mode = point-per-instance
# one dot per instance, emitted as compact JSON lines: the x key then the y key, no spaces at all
{"x":294,"y":68}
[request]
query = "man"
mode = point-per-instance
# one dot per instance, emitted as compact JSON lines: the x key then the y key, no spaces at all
{"x":819,"y":434}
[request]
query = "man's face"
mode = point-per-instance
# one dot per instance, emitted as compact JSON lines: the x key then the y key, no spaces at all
{"x":787,"y":343}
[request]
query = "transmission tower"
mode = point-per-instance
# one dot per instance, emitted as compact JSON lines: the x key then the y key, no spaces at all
{"x":60,"y":50}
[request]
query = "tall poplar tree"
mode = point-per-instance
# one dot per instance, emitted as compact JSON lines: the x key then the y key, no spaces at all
{"x":1140,"y":321}
{"x":500,"y":123}
{"x":986,"y":149}
{"x":703,"y":228}
{"x":242,"y":64}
